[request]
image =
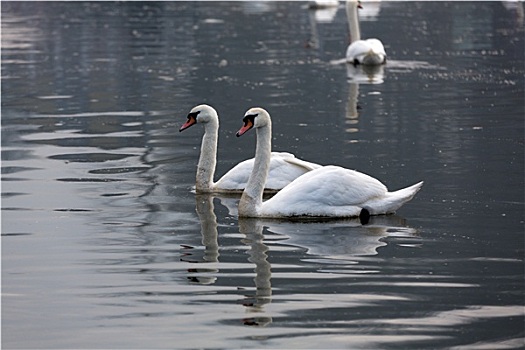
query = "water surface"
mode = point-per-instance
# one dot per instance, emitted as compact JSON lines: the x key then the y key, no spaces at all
{"x":104,"y":244}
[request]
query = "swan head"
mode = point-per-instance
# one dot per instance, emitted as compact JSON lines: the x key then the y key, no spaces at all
{"x":356,"y":3}
{"x":254,"y":118}
{"x":200,"y":114}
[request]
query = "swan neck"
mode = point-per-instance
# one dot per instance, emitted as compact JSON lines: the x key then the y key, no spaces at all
{"x":252,"y":196}
{"x":353,"y":21}
{"x":208,"y":158}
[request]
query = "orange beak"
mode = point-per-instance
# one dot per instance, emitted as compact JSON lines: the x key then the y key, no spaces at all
{"x":247,"y":126}
{"x":190,"y":122}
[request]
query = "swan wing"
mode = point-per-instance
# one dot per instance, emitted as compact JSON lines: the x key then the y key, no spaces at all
{"x":296,"y":162}
{"x":326,"y":191}
{"x":377,"y":46}
{"x":357,"y":49}
{"x":284,"y":168}
{"x":237,"y":177}
{"x":370,"y":51}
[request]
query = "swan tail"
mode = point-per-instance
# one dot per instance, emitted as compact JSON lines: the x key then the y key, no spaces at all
{"x":407,"y":193}
{"x":394,"y":200}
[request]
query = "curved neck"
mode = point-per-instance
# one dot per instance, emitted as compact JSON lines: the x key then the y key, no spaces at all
{"x":252,"y":196}
{"x":208,"y":157}
{"x":353,"y":21}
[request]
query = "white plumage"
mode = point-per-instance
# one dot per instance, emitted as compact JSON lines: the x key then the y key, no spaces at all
{"x":284,"y":167}
{"x":329,"y":191}
{"x":367,"y":52}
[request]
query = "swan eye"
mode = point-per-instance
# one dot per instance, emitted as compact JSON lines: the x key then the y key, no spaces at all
{"x":193,"y":115}
{"x":250,"y":118}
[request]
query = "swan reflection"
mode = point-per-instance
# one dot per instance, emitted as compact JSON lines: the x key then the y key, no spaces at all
{"x":208,"y":220}
{"x":257,"y":252}
{"x":254,"y":303}
{"x":341,"y":239}
{"x":323,"y":239}
{"x":363,"y":74}
{"x":321,"y":11}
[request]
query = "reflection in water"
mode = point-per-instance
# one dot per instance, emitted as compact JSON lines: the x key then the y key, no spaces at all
{"x":253,"y":231}
{"x":99,"y":230}
{"x":352,"y":113}
{"x":208,"y":221}
{"x":369,"y":10}
{"x":364,"y":74}
{"x":359,"y":74}
{"x":342,"y":239}
{"x":325,"y":241}
{"x":516,"y":8}
{"x":319,"y":13}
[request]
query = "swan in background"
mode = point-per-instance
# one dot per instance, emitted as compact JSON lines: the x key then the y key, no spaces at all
{"x":329,"y":191}
{"x":322,"y":4}
{"x":284,"y":167}
{"x":366,"y":52}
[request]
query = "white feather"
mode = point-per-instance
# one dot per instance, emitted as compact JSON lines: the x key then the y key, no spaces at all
{"x":367,"y":52}
{"x":284,"y":167}
{"x":329,"y":191}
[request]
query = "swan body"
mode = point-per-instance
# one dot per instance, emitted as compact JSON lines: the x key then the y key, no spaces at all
{"x":329,"y":191}
{"x":284,"y":167}
{"x":368,"y":52}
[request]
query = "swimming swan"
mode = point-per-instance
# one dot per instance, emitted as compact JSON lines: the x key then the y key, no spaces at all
{"x":367,"y":52}
{"x":284,"y":167}
{"x":329,"y":191}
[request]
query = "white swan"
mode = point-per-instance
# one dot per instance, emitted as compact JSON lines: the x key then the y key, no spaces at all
{"x":284,"y":167}
{"x":367,"y":52}
{"x":329,"y":191}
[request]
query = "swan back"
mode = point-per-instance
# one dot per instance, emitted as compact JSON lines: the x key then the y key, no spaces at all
{"x":366,"y":52}
{"x":328,"y":191}
{"x":333,"y":191}
{"x":284,"y":168}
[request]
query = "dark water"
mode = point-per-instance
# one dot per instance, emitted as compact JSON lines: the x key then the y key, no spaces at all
{"x":105,"y":246}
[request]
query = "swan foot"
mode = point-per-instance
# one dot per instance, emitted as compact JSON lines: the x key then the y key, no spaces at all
{"x":364,"y":216}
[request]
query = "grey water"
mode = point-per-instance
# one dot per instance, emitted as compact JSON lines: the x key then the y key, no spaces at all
{"x":105,"y":244}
